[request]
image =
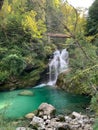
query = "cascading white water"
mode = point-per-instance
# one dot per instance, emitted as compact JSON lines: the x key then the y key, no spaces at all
{"x":57,"y":65}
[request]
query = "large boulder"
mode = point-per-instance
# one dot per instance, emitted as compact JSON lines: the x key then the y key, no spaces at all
{"x":46,"y":109}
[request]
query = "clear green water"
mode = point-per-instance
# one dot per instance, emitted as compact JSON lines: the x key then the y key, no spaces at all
{"x":13,"y":105}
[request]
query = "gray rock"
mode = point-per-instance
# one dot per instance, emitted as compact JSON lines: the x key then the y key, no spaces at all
{"x":45,"y":117}
{"x":88,"y":127}
{"x":61,"y":118}
{"x":67,"y":119}
{"x":46,"y":109}
{"x":63,"y":126}
{"x":92,"y":120}
{"x":37,"y":122}
{"x":47,"y":122}
{"x":86,"y":121}
{"x":81,"y":122}
{"x":49,"y":117}
{"x":20,"y":128}
{"x":76,"y":115}
{"x":53,"y":123}
{"x":49,"y":129}
{"x":40,"y":113}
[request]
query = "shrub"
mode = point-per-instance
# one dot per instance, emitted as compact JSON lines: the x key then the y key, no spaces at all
{"x":3,"y":76}
{"x":14,"y":64}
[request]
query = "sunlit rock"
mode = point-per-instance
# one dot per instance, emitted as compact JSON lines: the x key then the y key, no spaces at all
{"x":30,"y":115}
{"x":46,"y":109}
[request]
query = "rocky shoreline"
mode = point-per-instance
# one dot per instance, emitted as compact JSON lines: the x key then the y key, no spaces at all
{"x":45,"y":119}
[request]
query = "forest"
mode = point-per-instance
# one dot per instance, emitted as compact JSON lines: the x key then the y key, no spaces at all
{"x":31,"y":30}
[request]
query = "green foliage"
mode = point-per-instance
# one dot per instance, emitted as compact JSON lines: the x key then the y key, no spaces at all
{"x":94,"y":103}
{"x":4,"y":125}
{"x":21,"y":41}
{"x":83,"y":75}
{"x":4,"y":76}
{"x":9,"y":124}
{"x":24,"y":50}
{"x":36,"y":29}
{"x":95,"y":126}
{"x":14,"y":64}
{"x":3,"y":51}
{"x":16,"y":19}
{"x":54,"y":17}
{"x":92,"y":21}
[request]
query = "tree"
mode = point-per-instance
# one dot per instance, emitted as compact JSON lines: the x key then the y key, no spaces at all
{"x":92,"y":20}
{"x":1,"y":3}
{"x":21,"y":34}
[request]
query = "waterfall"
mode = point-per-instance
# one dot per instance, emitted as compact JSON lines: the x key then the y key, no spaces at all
{"x":57,"y":65}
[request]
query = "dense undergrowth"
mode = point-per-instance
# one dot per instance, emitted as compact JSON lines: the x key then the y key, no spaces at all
{"x":83,"y":76}
{"x":23,"y":50}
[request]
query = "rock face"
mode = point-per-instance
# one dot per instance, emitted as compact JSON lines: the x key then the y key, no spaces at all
{"x":46,"y":120}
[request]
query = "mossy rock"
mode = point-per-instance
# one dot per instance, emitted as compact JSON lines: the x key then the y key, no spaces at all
{"x":26,"y":93}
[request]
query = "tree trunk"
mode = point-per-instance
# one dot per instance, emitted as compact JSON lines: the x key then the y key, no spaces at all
{"x":1,"y":4}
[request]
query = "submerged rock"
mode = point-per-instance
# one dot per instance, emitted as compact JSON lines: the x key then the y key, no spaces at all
{"x":26,"y":93}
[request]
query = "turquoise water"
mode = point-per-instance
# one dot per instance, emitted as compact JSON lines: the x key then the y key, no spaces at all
{"x":13,"y":105}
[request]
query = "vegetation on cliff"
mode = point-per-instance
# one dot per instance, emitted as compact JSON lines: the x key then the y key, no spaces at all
{"x":23,"y":48}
